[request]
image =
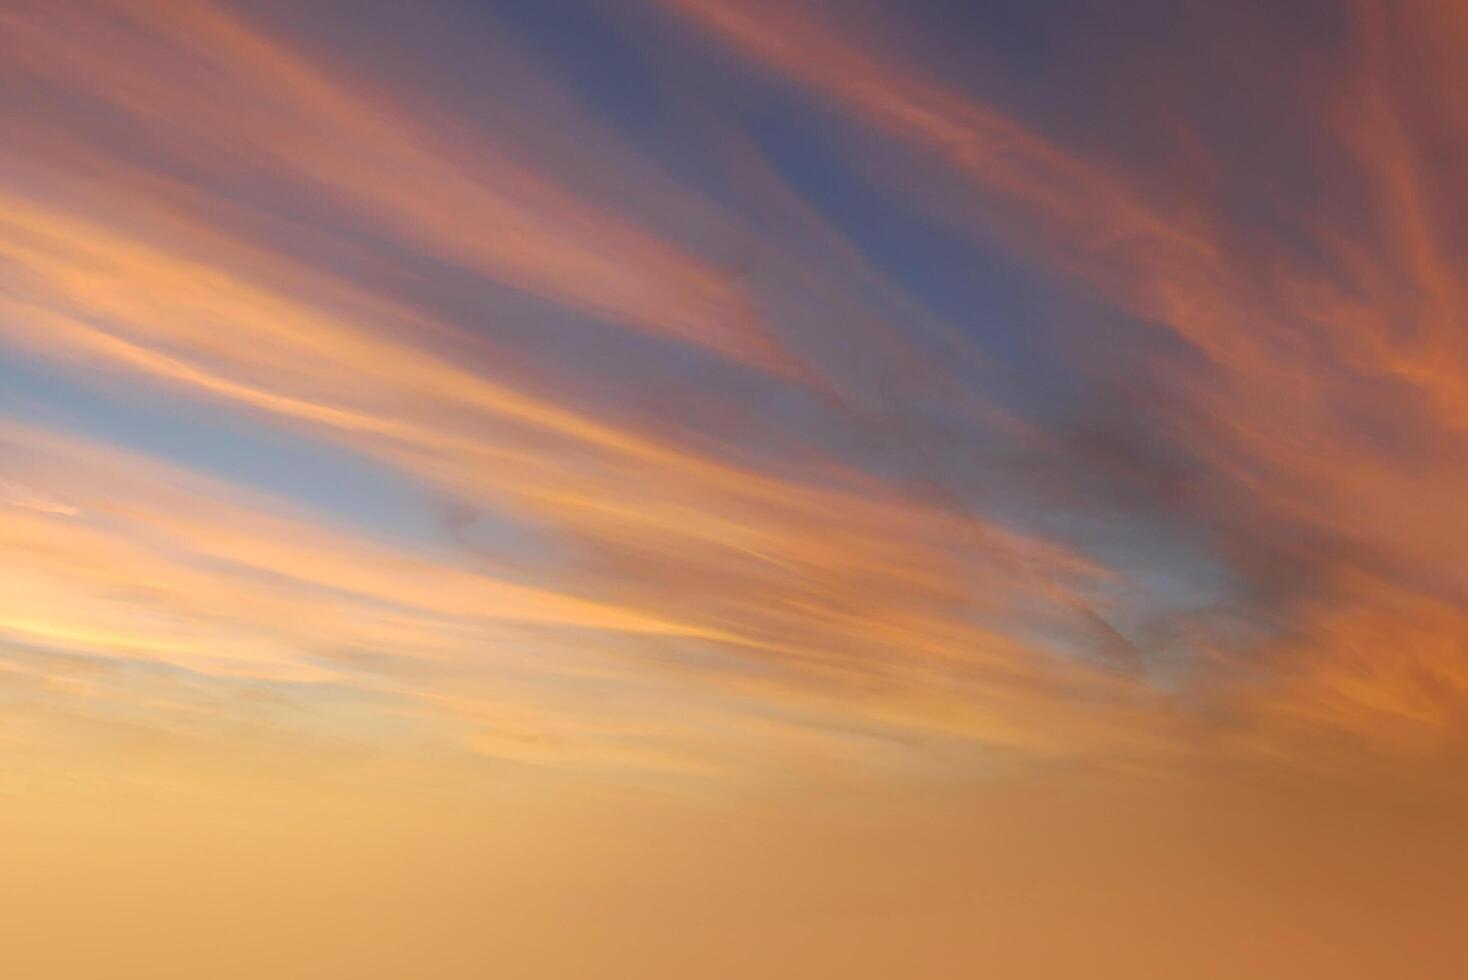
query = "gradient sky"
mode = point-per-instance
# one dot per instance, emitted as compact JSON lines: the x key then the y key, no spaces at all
{"x":727,"y":488}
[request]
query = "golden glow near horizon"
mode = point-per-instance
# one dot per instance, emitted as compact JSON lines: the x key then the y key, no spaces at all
{"x":732,"y":488}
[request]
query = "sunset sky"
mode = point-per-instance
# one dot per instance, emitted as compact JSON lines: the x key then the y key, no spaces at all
{"x":652,"y":489}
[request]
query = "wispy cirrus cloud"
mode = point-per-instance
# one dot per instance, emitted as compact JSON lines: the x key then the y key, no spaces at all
{"x":176,"y":69}
{"x":1324,"y":418}
{"x":855,"y":536}
{"x":814,"y":584}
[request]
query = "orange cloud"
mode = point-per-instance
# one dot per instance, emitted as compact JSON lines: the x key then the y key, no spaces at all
{"x":1295,"y":351}
{"x":176,"y":68}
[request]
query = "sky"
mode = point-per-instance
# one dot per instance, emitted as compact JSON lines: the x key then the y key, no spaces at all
{"x":657,"y":488}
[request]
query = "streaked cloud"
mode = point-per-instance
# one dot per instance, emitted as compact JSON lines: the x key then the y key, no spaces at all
{"x":1323,"y":420}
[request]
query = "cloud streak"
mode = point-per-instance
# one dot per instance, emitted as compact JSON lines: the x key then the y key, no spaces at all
{"x":794,"y":493}
{"x":1324,"y":421}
